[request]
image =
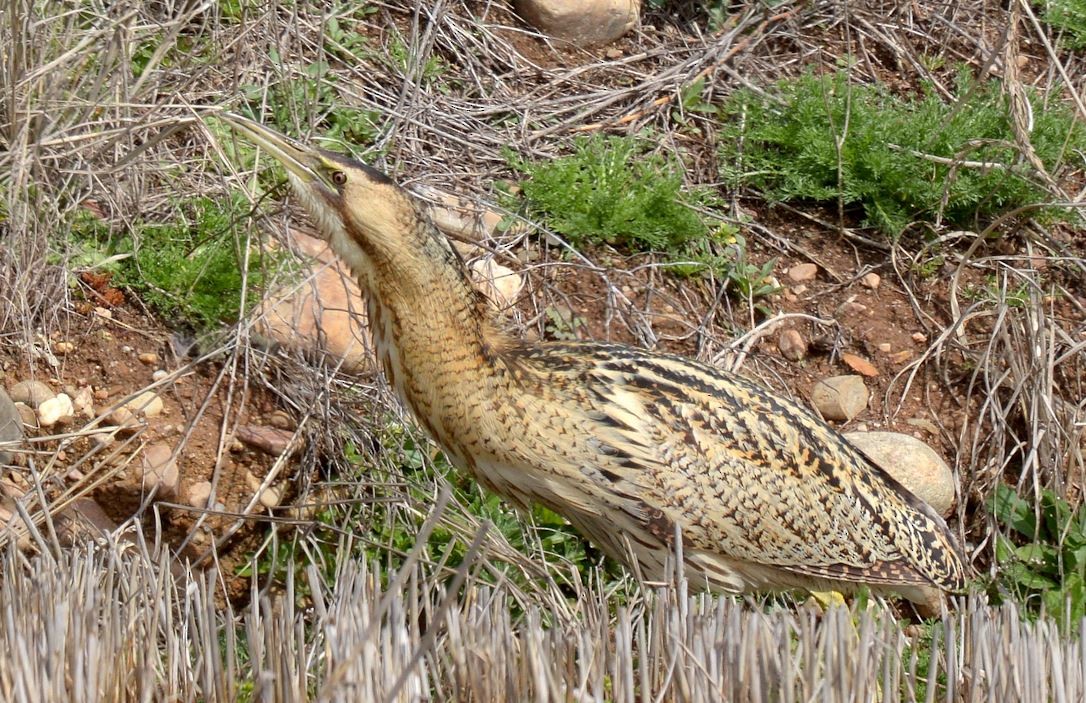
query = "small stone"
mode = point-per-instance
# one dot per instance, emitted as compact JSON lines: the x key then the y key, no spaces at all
{"x":859,"y":364}
{"x":104,"y":438}
{"x":501,"y":285}
{"x":104,"y":313}
{"x":282,"y":420}
{"x":912,"y":463}
{"x":871,"y":280}
{"x":613,"y":53}
{"x":101,"y":394}
{"x":160,"y":470}
{"x":792,"y":345}
{"x":149,"y":358}
{"x":851,"y":307}
{"x":920,"y":337}
{"x":791,"y":298}
{"x":840,"y":397}
{"x":159,"y":375}
{"x":146,"y":403}
{"x":253,"y":482}
{"x":57,"y":409}
{"x":33,"y":393}
{"x":269,"y":440}
{"x":901,"y":357}
{"x":269,"y":497}
{"x":800,"y":273}
{"x":83,"y":402}
{"x":123,"y":418}
{"x":63,"y":348}
{"x":125,"y":349}
{"x":27,"y":415}
{"x":885,"y":347}
{"x":198,"y":493}
{"x":800,"y":289}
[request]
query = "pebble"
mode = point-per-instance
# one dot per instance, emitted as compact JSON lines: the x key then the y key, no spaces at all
{"x":799,"y":290}
{"x":56,"y":409}
{"x":801,"y":273}
{"x":912,"y":463}
{"x":101,"y":394}
{"x":282,"y":421}
{"x":851,"y":307}
{"x":27,"y":414}
{"x":160,"y":470}
{"x":871,"y":280}
{"x":270,"y":440}
{"x":159,"y":375}
{"x":146,"y":403}
{"x":885,"y":347}
{"x":500,"y":284}
{"x":840,"y":397}
{"x":149,"y":358}
{"x":920,"y":337}
{"x":198,"y":493}
{"x":33,"y":393}
{"x":83,"y":402}
{"x":105,"y":313}
{"x":63,"y":348}
{"x":792,"y":345}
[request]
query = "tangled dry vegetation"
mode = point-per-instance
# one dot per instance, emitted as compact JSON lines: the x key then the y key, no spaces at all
{"x":388,"y":577}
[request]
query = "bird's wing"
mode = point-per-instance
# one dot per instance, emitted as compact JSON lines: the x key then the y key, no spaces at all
{"x":762,"y":480}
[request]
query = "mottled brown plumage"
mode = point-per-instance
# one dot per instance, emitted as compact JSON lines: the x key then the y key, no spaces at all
{"x":627,"y":444}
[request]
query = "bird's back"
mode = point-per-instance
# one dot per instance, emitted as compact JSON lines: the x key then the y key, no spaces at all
{"x":629,"y":444}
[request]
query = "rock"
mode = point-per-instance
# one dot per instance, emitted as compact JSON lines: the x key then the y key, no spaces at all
{"x":792,"y":345}
{"x":104,"y":313}
{"x":920,"y":337}
{"x":83,"y":402}
{"x":581,"y":22}
{"x":148,"y":358}
{"x":57,"y":409}
{"x":871,"y":280}
{"x":63,"y":348}
{"x":325,"y":313}
{"x":11,"y":426}
{"x":269,"y":497}
{"x":840,"y":397}
{"x":885,"y":347}
{"x":267,"y":439}
{"x":159,"y":375}
{"x":198,"y":493}
{"x":912,"y":463}
{"x":800,"y":273}
{"x":33,"y":393}
{"x":29,"y":417}
{"x":859,"y":364}
{"x":84,"y":517}
{"x":146,"y":403}
{"x":101,"y":394}
{"x":461,"y":217}
{"x":160,"y":470}
{"x":499,"y":284}
{"x":282,"y":421}
{"x":799,"y":289}
{"x":851,"y":307}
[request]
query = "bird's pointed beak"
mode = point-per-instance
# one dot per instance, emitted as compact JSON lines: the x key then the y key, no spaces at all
{"x":298,"y":159}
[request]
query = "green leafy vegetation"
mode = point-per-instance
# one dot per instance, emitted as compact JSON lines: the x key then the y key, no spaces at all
{"x":898,"y":159}
{"x":1042,"y":556}
{"x":1068,"y":17}
{"x":611,"y":191}
{"x":186,"y":266}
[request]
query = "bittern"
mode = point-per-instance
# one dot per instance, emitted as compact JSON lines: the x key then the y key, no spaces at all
{"x":633,"y":447}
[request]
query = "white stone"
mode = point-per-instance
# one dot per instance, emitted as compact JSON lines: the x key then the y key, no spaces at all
{"x":840,"y":397}
{"x":501,"y":285}
{"x":56,"y":409}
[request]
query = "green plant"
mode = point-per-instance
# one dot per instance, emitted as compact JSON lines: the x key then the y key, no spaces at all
{"x":1069,"y":17}
{"x":900,"y":160}
{"x":1042,"y":556}
{"x":186,"y":265}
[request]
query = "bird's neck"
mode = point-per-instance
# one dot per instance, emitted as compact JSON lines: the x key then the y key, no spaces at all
{"x":436,"y":341}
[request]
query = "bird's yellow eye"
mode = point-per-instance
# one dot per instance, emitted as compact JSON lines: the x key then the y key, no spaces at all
{"x":339,"y":177}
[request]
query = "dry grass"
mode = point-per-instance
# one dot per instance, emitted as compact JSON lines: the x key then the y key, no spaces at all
{"x":104,"y":623}
{"x":450,"y":84}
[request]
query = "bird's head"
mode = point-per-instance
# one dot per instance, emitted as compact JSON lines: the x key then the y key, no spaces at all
{"x":369,"y":221}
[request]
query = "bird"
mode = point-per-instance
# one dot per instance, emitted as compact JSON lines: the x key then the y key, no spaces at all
{"x":642,"y":452}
